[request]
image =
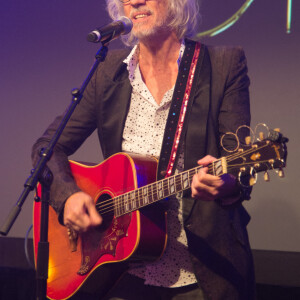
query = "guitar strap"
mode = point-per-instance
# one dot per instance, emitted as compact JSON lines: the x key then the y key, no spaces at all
{"x":184,"y":91}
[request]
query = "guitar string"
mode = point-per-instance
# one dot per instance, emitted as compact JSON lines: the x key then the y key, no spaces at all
{"x":138,"y":200}
{"x":119,"y":201}
{"x":210,"y":168}
{"x":137,"y":197}
{"x":123,"y":210}
{"x":120,"y":205}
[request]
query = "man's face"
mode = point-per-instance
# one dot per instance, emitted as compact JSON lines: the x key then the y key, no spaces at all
{"x":149,"y":17}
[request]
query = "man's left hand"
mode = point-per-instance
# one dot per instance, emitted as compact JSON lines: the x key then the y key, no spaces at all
{"x":209,"y":187}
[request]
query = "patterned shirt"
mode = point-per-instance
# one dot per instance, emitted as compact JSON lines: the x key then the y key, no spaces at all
{"x":143,"y":133}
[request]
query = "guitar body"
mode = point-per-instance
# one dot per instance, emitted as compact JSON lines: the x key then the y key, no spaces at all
{"x":102,"y":253}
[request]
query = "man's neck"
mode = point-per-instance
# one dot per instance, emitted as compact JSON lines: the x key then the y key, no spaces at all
{"x":156,"y":53}
{"x":158,"y":64}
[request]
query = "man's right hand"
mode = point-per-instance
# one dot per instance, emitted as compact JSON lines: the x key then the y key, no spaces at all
{"x":80,"y":212}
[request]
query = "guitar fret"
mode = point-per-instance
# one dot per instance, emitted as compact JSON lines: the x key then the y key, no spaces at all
{"x":165,"y":188}
{"x":192,"y":172}
{"x":189,"y":178}
{"x":154,"y":192}
{"x":129,"y":201}
{"x":115,"y":200}
{"x":185,"y":180}
{"x":123,"y":204}
{"x":172,"y":189}
{"x":150,"y":193}
{"x":145,"y":196}
{"x":120,"y":205}
{"x":141,"y":199}
{"x":126,"y":203}
{"x":133,"y":201}
{"x":178,"y":183}
{"x":160,"y":192}
{"x":138,"y":198}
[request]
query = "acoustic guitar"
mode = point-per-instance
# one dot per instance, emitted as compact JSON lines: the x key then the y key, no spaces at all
{"x":126,"y":194}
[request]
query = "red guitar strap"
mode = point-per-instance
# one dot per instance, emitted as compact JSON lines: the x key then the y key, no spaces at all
{"x":180,"y":107}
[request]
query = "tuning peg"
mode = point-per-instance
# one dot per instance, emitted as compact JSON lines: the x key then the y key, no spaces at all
{"x":248,"y":140}
{"x":261,"y":136}
{"x":252,"y":181}
{"x":280,"y":173}
{"x":266,"y":176}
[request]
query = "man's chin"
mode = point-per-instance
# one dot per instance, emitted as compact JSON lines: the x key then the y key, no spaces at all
{"x":143,"y":32}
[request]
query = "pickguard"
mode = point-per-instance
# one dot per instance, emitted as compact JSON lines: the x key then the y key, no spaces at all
{"x":96,"y":242}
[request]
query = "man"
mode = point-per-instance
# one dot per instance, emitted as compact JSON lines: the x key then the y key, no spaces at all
{"x":208,"y":254}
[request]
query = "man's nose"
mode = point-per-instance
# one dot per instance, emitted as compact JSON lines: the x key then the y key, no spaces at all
{"x":137,"y":2}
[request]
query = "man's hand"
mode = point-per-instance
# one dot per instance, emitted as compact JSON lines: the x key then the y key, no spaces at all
{"x":80,"y":212}
{"x":209,"y":187}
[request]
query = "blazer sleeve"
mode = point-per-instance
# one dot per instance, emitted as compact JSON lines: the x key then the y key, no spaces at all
{"x":85,"y":119}
{"x":79,"y":127}
{"x":234,"y":111}
{"x":234,"y":114}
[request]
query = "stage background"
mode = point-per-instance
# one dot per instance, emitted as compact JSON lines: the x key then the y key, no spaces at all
{"x":44,"y":54}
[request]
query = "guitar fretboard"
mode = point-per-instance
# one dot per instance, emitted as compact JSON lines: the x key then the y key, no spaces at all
{"x":248,"y":160}
{"x":159,"y":190}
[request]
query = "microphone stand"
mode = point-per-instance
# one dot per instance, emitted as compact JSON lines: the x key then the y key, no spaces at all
{"x":42,"y":174}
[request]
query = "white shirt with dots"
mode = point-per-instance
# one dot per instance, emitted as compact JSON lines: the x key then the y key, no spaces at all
{"x":143,"y":133}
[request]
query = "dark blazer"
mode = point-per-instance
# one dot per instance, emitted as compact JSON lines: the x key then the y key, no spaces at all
{"x":217,"y":236}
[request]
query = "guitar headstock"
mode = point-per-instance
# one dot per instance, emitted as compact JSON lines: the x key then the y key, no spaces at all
{"x":265,"y":154}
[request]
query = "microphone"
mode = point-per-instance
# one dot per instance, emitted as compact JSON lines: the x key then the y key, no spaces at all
{"x":110,"y":31}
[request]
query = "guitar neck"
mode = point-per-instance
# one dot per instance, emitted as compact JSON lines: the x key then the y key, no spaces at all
{"x":162,"y":189}
{"x":245,"y":162}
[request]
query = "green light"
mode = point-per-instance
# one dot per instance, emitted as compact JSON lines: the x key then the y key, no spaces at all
{"x":222,"y":29}
{"x":289,"y":16}
{"x":228,"y":23}
{"x":233,"y":19}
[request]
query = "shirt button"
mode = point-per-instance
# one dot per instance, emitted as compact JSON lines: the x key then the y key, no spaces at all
{"x":189,"y":226}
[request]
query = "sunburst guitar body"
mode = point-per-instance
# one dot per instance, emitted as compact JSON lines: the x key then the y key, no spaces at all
{"x":80,"y":263}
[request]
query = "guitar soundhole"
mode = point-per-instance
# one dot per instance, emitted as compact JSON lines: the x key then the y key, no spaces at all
{"x":105,"y":208}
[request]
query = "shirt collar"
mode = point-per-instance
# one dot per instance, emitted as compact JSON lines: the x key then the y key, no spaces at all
{"x":132,"y":60}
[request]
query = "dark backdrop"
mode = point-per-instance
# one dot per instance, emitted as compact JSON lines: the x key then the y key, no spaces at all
{"x":44,"y":54}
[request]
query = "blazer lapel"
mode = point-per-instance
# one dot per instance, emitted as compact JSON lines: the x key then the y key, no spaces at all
{"x":115,"y":103}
